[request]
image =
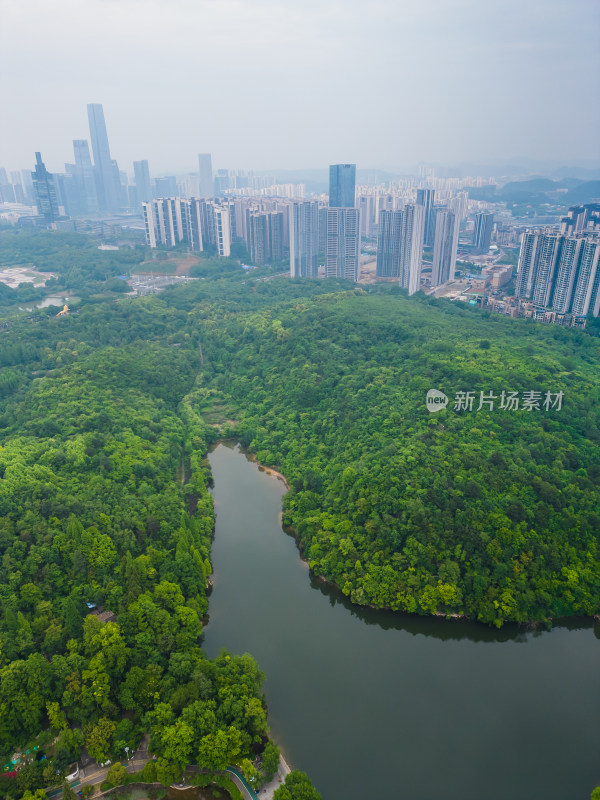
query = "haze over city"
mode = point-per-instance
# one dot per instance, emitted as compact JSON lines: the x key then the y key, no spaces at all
{"x":269,"y":85}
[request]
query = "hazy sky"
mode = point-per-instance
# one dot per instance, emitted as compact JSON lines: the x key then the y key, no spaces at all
{"x":301,"y":83}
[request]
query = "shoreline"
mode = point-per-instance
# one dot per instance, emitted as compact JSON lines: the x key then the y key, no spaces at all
{"x":269,"y":470}
{"x":527,"y":625}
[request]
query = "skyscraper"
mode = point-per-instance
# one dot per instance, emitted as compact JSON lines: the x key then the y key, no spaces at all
{"x":445,"y":246}
{"x":425,"y":197}
{"x":205,"y":175}
{"x":342,"y":184}
{"x":45,"y":191}
{"x":343,"y":243}
{"x":548,"y":253}
{"x":389,"y":244}
{"x":482,"y":233}
{"x":222,"y":230}
{"x":400,"y":245}
{"x":560,"y":271}
{"x":142,"y":181}
{"x":107,"y":173}
{"x":222,"y":182}
{"x":304,"y":240}
{"x":84,"y":172}
{"x":566,"y":273}
{"x":586,"y":295}
{"x":166,"y":186}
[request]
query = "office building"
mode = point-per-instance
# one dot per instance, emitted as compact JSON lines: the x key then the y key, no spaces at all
{"x":84,"y":174}
{"x":343,"y":243}
{"x":165,"y":187}
{"x":304,"y":240}
{"x":108,"y":185}
{"x":205,"y":175}
{"x":142,"y":181}
{"x":45,"y":191}
{"x":222,"y":182}
{"x":400,"y":245}
{"x":425,"y":198}
{"x":445,"y":246}
{"x":342,"y":185}
{"x":482,"y":233}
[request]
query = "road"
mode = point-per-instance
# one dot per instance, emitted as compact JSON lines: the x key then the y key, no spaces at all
{"x":94,"y":775}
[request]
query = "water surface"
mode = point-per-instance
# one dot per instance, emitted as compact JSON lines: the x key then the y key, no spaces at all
{"x":381,"y":706}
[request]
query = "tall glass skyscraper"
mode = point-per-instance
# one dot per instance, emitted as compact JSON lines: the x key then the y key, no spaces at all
{"x":342,"y":184}
{"x":142,"y":181}
{"x":45,"y":191}
{"x":84,"y":172}
{"x":107,"y":176}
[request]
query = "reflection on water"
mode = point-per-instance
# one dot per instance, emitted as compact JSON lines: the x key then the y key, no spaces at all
{"x":376,"y":704}
{"x":441,"y":628}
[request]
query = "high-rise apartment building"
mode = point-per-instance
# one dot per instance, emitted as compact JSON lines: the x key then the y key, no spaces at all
{"x":561,"y":271}
{"x":343,"y":243}
{"x":342,"y":185}
{"x":566,"y":273}
{"x":108,"y":185}
{"x":581,"y":219}
{"x":586,"y":294}
{"x":304,"y":240}
{"x":45,"y":191}
{"x":389,"y":244}
{"x":222,"y":230}
{"x":445,"y":246}
{"x":205,"y":175}
{"x":171,"y":220}
{"x":400,"y":245}
{"x":547,"y":255}
{"x":265,"y":236}
{"x":482,"y":232}
{"x":425,"y":198}
{"x":142,"y":181}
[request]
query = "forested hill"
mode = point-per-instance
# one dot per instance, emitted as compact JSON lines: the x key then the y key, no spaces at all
{"x":105,"y":417}
{"x":490,"y":513}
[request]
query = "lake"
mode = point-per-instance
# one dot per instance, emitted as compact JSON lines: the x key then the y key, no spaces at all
{"x":382,"y":705}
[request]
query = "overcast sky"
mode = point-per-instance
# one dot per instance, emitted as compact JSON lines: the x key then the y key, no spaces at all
{"x":302,"y":83}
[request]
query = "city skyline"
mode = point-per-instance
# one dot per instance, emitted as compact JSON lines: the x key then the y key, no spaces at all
{"x":513,"y":58}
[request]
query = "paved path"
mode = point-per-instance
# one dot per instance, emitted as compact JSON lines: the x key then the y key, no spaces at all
{"x":268,"y":790}
{"x":92,"y":774}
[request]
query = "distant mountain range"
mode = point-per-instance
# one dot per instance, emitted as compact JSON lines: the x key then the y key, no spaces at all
{"x":572,"y":186}
{"x":535,"y":191}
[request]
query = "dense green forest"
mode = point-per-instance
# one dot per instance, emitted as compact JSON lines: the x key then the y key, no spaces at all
{"x":490,"y":513}
{"x":105,"y":420}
